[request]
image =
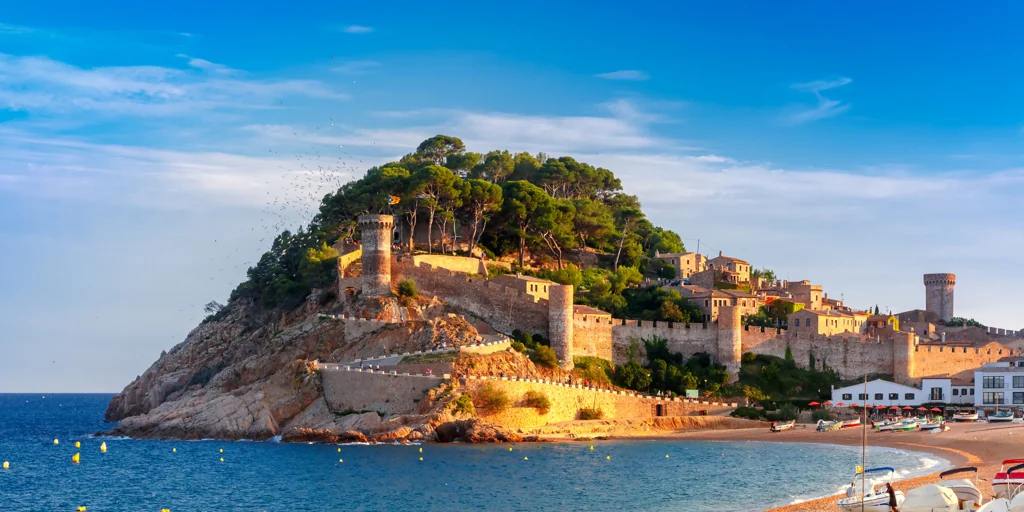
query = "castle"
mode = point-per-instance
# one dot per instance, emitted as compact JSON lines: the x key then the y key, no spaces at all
{"x":851,"y":343}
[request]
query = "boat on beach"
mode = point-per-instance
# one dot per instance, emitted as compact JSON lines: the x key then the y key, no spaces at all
{"x":936,"y":424}
{"x":999,"y":417}
{"x":965,"y":489}
{"x":966,"y":415}
{"x":874,"y":499}
{"x":850,"y":423}
{"x":779,"y":427}
{"x":906,"y":426}
{"x":1007,"y":483}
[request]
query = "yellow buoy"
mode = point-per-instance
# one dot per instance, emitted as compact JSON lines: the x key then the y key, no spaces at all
{"x":591,"y":447}
{"x":421,"y":450}
{"x":341,"y":460}
{"x":339,"y":450}
{"x":103,"y":448}
{"x":526,"y":458}
{"x":165,"y":510}
{"x":222,"y":450}
{"x":666,"y":456}
{"x":509,"y":448}
{"x":421,"y":458}
{"x":7,"y":465}
{"x":608,"y":457}
{"x":222,"y":459}
{"x":78,"y":444}
{"x":56,"y":441}
{"x":75,"y":458}
{"x":81,"y":509}
{"x":174,"y":450}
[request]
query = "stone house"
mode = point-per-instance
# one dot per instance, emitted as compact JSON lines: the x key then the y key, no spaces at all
{"x":529,"y":285}
{"x":730,"y":270}
{"x":827,"y":322}
{"x":686,"y":263}
{"x":806,"y":293}
{"x":710,"y":300}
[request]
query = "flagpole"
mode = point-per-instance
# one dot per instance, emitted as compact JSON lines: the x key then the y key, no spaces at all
{"x":864,"y":446}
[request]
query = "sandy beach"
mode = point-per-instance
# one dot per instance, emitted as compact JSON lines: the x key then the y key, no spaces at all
{"x":982,"y":445}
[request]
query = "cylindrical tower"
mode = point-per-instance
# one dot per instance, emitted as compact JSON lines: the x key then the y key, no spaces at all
{"x":730,"y":339}
{"x":376,"y":241}
{"x":938,"y":296}
{"x":560,"y":329}
{"x":904,"y":350}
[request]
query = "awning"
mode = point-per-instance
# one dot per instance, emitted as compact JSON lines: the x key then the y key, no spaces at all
{"x":922,"y":408}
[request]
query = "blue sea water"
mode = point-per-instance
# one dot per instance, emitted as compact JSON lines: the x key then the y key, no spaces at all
{"x":144,"y":475}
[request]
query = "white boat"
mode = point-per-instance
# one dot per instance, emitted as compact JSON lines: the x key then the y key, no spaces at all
{"x":1000,"y":416}
{"x":965,"y":416}
{"x":930,"y":498}
{"x":966,"y":490}
{"x":875,"y":499}
{"x":1009,"y":481}
{"x":779,"y":427}
{"x":825,"y":426}
{"x":937,"y":424}
{"x":999,"y":505}
{"x":850,"y":423}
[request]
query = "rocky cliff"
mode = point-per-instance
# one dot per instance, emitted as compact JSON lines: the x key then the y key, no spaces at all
{"x":243,"y":376}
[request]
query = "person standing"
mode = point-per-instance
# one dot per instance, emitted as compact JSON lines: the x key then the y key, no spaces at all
{"x":892,"y":498}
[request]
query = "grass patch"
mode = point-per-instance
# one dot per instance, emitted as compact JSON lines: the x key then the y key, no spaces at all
{"x":538,"y":401}
{"x":544,"y":356}
{"x":430,"y":358}
{"x":590,"y":413}
{"x":350,"y":410}
{"x":464,"y":405}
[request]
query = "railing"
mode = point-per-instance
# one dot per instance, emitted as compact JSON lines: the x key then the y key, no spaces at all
{"x":598,"y":390}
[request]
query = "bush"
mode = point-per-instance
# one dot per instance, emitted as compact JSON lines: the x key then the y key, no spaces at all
{"x":591,"y":413}
{"x":523,"y":337}
{"x":786,"y":412}
{"x":594,"y":369}
{"x":407,"y":288}
{"x":464,"y":404}
{"x":544,"y":356}
{"x":538,"y":401}
{"x":751,"y":413}
{"x":822,"y":414}
{"x":518,"y":347}
{"x":491,"y":398}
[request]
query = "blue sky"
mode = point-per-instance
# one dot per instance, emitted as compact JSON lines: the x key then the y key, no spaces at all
{"x":150,"y":151}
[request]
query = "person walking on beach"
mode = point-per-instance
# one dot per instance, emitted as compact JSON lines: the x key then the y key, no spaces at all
{"x":892,"y":498}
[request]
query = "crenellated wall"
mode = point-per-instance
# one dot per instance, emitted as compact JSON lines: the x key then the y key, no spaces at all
{"x":592,"y":336}
{"x":957,"y":362}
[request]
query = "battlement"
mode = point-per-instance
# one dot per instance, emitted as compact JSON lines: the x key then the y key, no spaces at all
{"x":995,"y":332}
{"x":940,"y":279}
{"x":470,"y":281}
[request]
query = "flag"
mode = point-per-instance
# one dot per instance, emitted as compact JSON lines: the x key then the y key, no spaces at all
{"x":860,"y":470}
{"x":392,"y":199}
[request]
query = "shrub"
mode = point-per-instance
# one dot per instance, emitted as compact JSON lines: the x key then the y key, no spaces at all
{"x":822,"y":414}
{"x":523,"y":337}
{"x":786,"y":412}
{"x":591,"y":413}
{"x":464,"y":404}
{"x":751,"y":413}
{"x":594,"y":369}
{"x":519,"y":347}
{"x":491,"y":398}
{"x":326,"y":297}
{"x":407,"y":288}
{"x":538,"y":401}
{"x":544,"y":356}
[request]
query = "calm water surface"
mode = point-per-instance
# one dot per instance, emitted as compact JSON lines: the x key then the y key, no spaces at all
{"x":140,"y":475}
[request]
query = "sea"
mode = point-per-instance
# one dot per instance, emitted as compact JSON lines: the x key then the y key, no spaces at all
{"x":149,"y":475}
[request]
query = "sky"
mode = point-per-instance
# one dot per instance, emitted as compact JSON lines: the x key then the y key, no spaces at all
{"x":149,"y":152}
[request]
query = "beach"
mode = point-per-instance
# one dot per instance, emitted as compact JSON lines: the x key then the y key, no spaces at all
{"x":982,"y":445}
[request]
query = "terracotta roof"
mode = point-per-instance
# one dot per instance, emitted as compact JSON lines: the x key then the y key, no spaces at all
{"x":673,"y":254}
{"x":825,"y":312}
{"x":587,"y":310}
{"x":960,"y":382}
{"x":730,"y":258}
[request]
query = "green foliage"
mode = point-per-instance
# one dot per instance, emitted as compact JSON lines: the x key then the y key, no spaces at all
{"x":750,"y":413}
{"x":407,"y":288}
{"x":661,"y":269}
{"x":786,"y":412}
{"x":518,"y":347}
{"x":958,"y":321}
{"x":632,"y":375}
{"x":525,"y":338}
{"x":538,"y":401}
{"x":492,"y":399}
{"x":781,"y":379}
{"x":754,"y":394}
{"x":544,"y":356}
{"x":593,"y":369}
{"x":464,"y":405}
{"x":496,"y":270}
{"x":822,"y":415}
{"x":775,"y":314}
{"x":569,"y":274}
{"x":789,"y":355}
{"x":590,"y":413}
{"x":763,"y":273}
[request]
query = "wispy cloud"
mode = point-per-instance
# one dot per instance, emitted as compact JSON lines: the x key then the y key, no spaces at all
{"x":625,"y":74}
{"x":357,"y":29}
{"x":211,"y":67}
{"x":825,"y":108}
{"x":356,"y":67}
{"x":40,"y":84}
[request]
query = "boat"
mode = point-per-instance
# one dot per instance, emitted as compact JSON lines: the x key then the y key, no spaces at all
{"x":969,"y":415}
{"x":850,"y":423}
{"x":1009,"y":480}
{"x":779,"y":427}
{"x":930,"y":498}
{"x":998,"y":417}
{"x":826,"y":426}
{"x":999,"y":505}
{"x":885,"y":425}
{"x":906,"y":426}
{"x":875,"y":499}
{"x":936,"y":424}
{"x":966,"y":490}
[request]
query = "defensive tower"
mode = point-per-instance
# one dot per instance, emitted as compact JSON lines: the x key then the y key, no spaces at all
{"x":560,"y":326}
{"x":939,"y":294}
{"x":730,"y":340}
{"x":376,"y":241}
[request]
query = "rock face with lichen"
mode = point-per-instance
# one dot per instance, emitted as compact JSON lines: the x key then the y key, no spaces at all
{"x":243,"y":377}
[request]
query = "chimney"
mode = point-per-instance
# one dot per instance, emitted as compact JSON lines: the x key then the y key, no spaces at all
{"x":943,"y":337}
{"x":719,"y":253}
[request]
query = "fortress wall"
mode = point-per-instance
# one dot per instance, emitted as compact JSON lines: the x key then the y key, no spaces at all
{"x":754,"y":337}
{"x":503,"y":308}
{"x":454,"y":263}
{"x":592,"y":336}
{"x":958,"y":362}
{"x":852,"y":357}
{"x":346,"y":259}
{"x":567,"y":401}
{"x":686,"y":339}
{"x":376,"y":391}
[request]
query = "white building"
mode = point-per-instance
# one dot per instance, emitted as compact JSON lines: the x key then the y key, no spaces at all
{"x":950,"y":391}
{"x":999,"y":384}
{"x":880,"y":392}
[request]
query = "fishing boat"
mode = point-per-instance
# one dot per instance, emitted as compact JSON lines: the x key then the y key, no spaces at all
{"x":999,"y":505}
{"x":850,"y":423}
{"x":968,"y":415}
{"x":874,"y":499}
{"x":998,"y":417}
{"x":906,"y":426}
{"x":1009,"y":480}
{"x":827,"y":426}
{"x":936,"y":424}
{"x":779,"y":427}
{"x":930,"y":498}
{"x":965,"y":489}
{"x":885,"y":425}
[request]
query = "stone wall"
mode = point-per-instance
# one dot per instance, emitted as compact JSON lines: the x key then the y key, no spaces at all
{"x":453,"y":263}
{"x":375,"y":231}
{"x":566,"y":402}
{"x":939,"y":294}
{"x":850,"y":356}
{"x":355,"y":328}
{"x":592,"y":336}
{"x":374,"y":391}
{"x":956,"y":362}
{"x":561,"y":323}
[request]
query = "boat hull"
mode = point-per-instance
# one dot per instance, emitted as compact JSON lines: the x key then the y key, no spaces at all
{"x":874,"y":503}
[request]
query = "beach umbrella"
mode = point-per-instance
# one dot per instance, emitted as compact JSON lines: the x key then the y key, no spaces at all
{"x":813,"y":404}
{"x":895,"y":408}
{"x":922,"y":408}
{"x":827,"y":403}
{"x":936,"y":409}
{"x":908,"y":408}
{"x":840,"y":404}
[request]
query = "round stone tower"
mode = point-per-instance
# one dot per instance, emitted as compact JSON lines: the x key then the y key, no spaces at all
{"x":560,"y":329}
{"x":730,"y":339}
{"x":376,"y":241}
{"x":938,"y":296}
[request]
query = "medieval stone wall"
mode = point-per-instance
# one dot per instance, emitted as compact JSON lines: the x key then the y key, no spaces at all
{"x":956,"y":362}
{"x":374,"y":391}
{"x":375,"y":231}
{"x":560,"y":323}
{"x":592,"y":336}
{"x":462,"y":264}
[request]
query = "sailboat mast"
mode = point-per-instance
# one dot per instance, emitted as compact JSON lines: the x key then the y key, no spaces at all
{"x":864,"y":446}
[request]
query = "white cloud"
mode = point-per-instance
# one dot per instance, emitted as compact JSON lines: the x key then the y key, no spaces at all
{"x":357,"y":29}
{"x":211,"y":67}
{"x":625,"y":74}
{"x":825,"y":108}
{"x":40,"y":84}
{"x":356,"y":67}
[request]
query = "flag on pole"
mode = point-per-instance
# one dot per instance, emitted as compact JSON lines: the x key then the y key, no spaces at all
{"x":392,"y":199}
{"x":860,"y":470}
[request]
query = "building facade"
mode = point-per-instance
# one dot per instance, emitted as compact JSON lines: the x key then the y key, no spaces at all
{"x":729,"y":269}
{"x":686,"y":263}
{"x":1000,"y":384}
{"x":879,"y":392}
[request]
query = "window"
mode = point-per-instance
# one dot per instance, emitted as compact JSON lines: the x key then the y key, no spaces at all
{"x":847,"y":396}
{"x":1018,"y":381}
{"x":894,"y":396}
{"x":936,"y":394}
{"x":1018,"y":397}
{"x":908,"y":396}
{"x":992,"y":398}
{"x":991,"y":382}
{"x":808,"y":322}
{"x":956,"y":391}
{"x":878,"y":396}
{"x":972,"y":391}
